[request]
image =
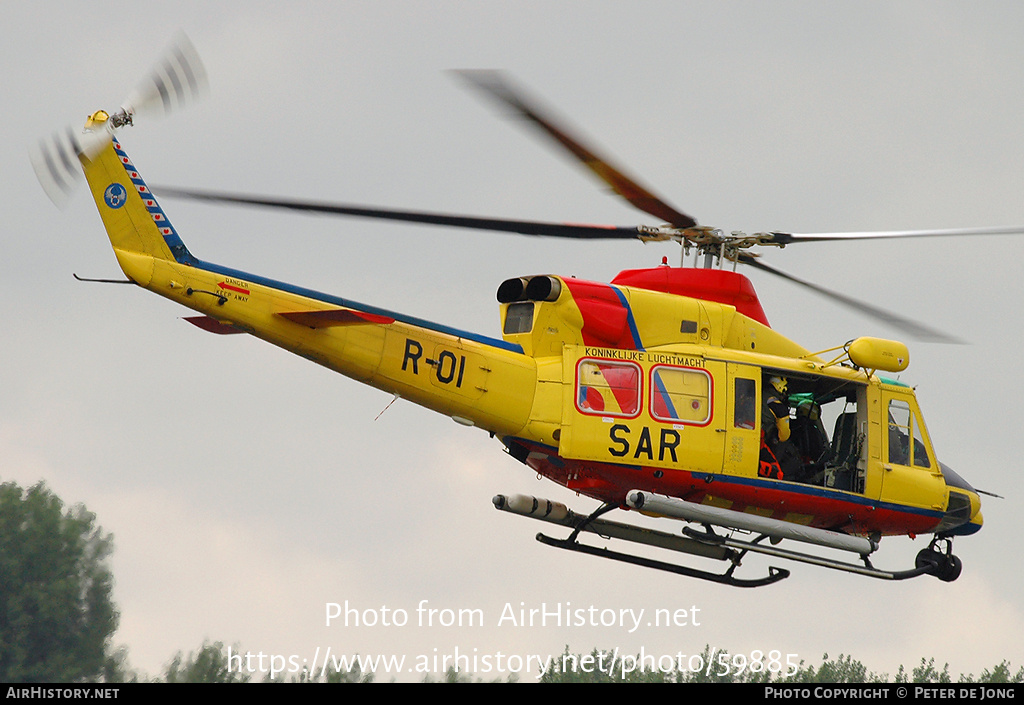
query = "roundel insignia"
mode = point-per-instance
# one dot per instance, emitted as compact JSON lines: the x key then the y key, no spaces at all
{"x":115,"y":196}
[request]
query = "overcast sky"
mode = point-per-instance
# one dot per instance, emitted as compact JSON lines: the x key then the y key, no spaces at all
{"x":246,"y":488}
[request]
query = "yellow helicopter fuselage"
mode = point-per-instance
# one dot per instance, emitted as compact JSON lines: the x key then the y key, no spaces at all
{"x":603,"y":388}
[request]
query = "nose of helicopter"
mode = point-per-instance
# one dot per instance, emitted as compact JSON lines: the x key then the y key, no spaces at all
{"x":963,"y":513}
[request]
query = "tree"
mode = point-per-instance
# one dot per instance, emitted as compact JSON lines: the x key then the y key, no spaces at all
{"x":56,"y":613}
{"x":208,"y":665}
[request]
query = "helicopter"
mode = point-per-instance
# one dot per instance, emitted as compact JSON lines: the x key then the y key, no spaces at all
{"x":650,"y":394}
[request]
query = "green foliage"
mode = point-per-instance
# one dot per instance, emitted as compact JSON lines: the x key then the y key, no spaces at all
{"x":454,"y":675}
{"x":57,"y":619}
{"x":211,"y":664}
{"x":597,"y":668}
{"x":1001,"y":674}
{"x":208,"y":665}
{"x":925,"y":673}
{"x":353,"y":675}
{"x":56,"y":613}
{"x":578,"y":668}
{"x":841,"y":670}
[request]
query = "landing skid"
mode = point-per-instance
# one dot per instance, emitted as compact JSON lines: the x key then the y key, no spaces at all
{"x":756,"y":547}
{"x":726,"y":578}
{"x":558,"y":514}
{"x":708,"y":544}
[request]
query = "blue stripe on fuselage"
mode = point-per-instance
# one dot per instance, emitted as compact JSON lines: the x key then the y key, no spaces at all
{"x":778,"y":485}
{"x":634,"y":331}
{"x":338,"y":301}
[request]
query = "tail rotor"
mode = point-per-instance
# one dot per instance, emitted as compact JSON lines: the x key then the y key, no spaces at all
{"x":177,"y":80}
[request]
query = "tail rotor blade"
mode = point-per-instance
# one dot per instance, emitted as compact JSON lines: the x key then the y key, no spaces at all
{"x":55,"y":161}
{"x":178,"y":79}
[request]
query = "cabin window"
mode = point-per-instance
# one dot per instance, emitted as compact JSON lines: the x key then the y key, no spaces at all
{"x":519,"y":318}
{"x":745,"y":409}
{"x":680,"y":395}
{"x":608,"y":388}
{"x":906,"y":442}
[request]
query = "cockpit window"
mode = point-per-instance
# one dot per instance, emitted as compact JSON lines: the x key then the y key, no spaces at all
{"x":906,"y":442}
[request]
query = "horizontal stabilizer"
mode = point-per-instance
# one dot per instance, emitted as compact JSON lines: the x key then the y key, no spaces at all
{"x":212,"y":325}
{"x":335,"y":317}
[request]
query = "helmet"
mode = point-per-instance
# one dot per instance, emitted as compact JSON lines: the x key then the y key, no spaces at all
{"x":779,"y":383}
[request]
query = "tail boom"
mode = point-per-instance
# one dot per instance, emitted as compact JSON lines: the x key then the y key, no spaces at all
{"x":474,"y":379}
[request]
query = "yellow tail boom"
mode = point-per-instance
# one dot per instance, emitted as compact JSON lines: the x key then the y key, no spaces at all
{"x":472,"y":378}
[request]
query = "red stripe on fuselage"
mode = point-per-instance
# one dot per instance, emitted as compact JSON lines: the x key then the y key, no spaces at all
{"x":827,"y":508}
{"x":605,"y":318}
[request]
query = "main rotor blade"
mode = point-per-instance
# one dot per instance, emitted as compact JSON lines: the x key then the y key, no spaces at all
{"x":523,"y":227}
{"x":916,"y":330}
{"x":787,"y":238}
{"x":492,"y":83}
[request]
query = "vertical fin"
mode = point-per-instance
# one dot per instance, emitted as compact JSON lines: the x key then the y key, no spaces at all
{"x":134,"y":220}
